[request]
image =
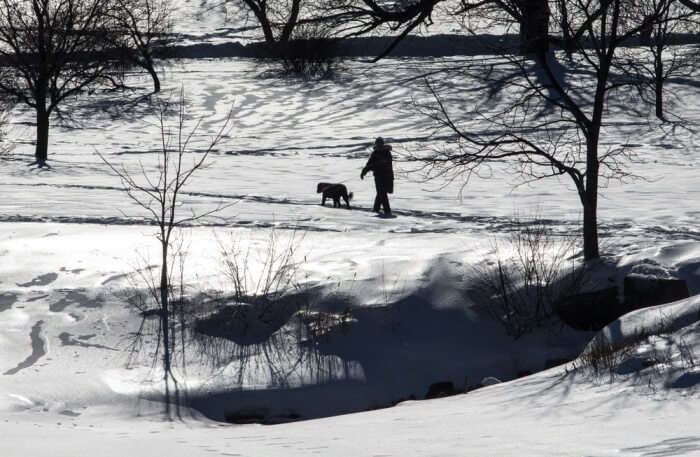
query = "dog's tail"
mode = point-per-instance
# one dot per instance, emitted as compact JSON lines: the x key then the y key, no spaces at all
{"x":350,"y":196}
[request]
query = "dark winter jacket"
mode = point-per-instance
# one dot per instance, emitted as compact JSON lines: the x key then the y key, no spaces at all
{"x":379,"y":164}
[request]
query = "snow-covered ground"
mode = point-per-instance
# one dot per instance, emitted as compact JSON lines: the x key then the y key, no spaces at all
{"x":70,"y":238}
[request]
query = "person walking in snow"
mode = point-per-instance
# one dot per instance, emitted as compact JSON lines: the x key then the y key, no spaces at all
{"x":379,"y":164}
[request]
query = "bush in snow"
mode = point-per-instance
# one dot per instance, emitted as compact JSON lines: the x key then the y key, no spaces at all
{"x":258,"y":314}
{"x":533,"y":272}
{"x":655,"y":351}
{"x":310,"y":54}
{"x":264,"y":273}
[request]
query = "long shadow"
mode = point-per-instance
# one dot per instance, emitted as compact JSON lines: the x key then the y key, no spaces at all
{"x":340,"y":356}
{"x":117,"y":105}
{"x":38,"y":350}
{"x":355,"y":150}
{"x":685,"y":445}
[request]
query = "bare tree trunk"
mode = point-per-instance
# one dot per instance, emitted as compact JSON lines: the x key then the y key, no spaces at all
{"x":291,"y":22}
{"x":154,"y":77}
{"x":42,"y":133}
{"x":645,"y":35}
{"x":589,"y":199}
{"x":659,"y":89}
{"x":590,"y":225}
{"x":261,"y":15}
{"x":267,"y":32}
{"x":659,"y":86}
{"x":165,"y":322}
{"x":534,"y":27}
{"x":566,"y":29}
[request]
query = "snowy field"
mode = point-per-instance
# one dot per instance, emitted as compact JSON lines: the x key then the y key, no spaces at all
{"x":70,"y":238}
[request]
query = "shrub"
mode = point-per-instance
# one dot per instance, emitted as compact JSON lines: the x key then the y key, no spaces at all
{"x":264,"y":275}
{"x":604,"y":356}
{"x":530,"y":276}
{"x":312,"y":53}
{"x":646,"y":348}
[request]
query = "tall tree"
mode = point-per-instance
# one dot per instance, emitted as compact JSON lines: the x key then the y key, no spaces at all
{"x":664,"y":58}
{"x":51,"y":50}
{"x":144,"y":32}
{"x":554,"y":125}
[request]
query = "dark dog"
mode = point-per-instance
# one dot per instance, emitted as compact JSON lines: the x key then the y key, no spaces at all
{"x":334,"y":191}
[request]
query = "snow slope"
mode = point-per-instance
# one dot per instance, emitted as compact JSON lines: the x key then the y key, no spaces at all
{"x":558,"y":412}
{"x":548,"y":414}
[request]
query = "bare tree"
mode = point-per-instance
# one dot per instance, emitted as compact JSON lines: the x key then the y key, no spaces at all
{"x":664,"y":58}
{"x":145,"y":27}
{"x":554,"y":125}
{"x":5,"y":147}
{"x":51,"y":50}
{"x":159,"y":193}
{"x":276,"y":18}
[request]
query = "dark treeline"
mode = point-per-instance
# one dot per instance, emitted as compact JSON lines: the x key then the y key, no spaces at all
{"x":411,"y":46}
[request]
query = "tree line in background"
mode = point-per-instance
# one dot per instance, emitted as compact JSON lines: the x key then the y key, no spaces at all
{"x":572,"y":57}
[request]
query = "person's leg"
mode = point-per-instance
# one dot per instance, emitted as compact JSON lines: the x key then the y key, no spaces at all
{"x":378,"y":198}
{"x":385,"y":203}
